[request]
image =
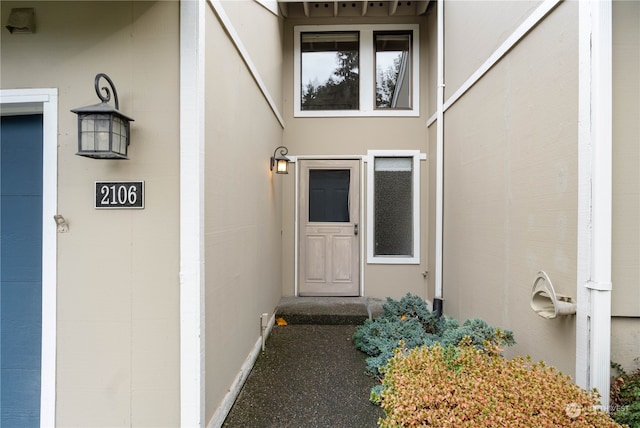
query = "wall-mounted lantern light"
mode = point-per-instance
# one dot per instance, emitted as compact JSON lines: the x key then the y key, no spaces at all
{"x":281,"y":162}
{"x":103,"y":131}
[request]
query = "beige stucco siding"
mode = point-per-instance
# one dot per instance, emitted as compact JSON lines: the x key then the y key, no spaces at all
{"x":431,"y":53}
{"x":475,"y":29}
{"x":625,"y":335}
{"x":354,"y":136}
{"x":625,"y":342}
{"x":261,"y":34}
{"x":511,"y":187}
{"x":626,"y":160}
{"x":117,"y":284}
{"x":243,"y":198}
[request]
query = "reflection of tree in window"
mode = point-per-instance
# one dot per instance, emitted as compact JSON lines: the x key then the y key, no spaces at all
{"x":393,"y":67}
{"x":386,"y":84}
{"x":330,"y":71}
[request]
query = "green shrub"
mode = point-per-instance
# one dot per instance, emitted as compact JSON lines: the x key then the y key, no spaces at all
{"x":478,"y":332}
{"x":380,"y":337}
{"x":451,"y":386}
{"x":410,"y":323}
{"x":625,"y":397}
{"x":414,"y":307}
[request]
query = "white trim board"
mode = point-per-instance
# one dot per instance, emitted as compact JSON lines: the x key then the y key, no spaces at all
{"x":222,"y":411}
{"x":532,"y":20}
{"x":45,"y":101}
{"x":270,"y":5}
{"x":235,"y":38}
{"x":593,"y":316}
{"x":192,"y":270}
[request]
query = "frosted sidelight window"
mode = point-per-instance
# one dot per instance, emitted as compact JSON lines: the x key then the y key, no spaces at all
{"x":393,"y":206}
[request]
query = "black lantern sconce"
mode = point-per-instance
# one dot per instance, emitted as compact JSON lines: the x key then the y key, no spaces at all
{"x":103,"y":131}
{"x":281,"y":162}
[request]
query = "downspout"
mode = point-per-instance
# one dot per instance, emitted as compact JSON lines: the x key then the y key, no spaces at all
{"x":593,"y":325}
{"x":438,"y":297}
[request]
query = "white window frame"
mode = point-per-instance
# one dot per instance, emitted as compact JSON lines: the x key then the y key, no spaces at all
{"x":416,"y":157}
{"x":367,"y":72}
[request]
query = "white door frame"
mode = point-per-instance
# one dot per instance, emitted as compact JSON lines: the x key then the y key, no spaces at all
{"x":45,"y":102}
{"x":296,"y":249}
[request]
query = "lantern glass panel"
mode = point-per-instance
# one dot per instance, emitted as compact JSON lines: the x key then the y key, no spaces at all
{"x":95,"y":132}
{"x":102,"y":134}
{"x":283,"y":166}
{"x":87,"y":124}
{"x":119,"y":136}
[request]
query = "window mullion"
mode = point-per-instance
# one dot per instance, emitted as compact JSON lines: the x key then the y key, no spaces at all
{"x":367,"y":71}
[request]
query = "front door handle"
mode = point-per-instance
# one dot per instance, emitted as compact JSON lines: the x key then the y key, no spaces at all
{"x":355,"y":229}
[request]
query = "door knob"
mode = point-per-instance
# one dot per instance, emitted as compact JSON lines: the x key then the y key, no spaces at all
{"x":355,"y":229}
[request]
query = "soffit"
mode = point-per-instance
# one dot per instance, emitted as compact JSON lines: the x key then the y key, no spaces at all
{"x":353,"y":8}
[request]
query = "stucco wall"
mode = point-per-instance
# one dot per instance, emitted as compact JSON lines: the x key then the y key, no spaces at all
{"x":243,"y":208}
{"x":626,"y":183}
{"x":355,"y":136}
{"x":511,"y":181}
{"x":475,"y":29}
{"x":626,"y":159}
{"x":261,"y":34}
{"x":117,"y":285}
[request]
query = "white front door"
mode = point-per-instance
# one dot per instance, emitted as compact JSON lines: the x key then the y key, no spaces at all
{"x":329,"y":214}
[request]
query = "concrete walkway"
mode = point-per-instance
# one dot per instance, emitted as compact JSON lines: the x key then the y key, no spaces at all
{"x":311,"y":374}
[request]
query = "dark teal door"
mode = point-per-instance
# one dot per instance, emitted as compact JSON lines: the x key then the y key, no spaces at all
{"x":20,"y":269}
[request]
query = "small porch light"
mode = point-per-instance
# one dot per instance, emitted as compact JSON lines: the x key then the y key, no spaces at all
{"x":281,"y":162}
{"x":103,"y":131}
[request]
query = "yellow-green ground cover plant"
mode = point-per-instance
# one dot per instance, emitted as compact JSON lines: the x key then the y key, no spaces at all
{"x":464,"y":386}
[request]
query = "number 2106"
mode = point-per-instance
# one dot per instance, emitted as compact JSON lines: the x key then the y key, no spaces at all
{"x":119,"y":194}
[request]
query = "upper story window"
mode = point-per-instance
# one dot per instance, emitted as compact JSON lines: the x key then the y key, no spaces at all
{"x":393,"y":69}
{"x":366,"y":70}
{"x":329,"y":71}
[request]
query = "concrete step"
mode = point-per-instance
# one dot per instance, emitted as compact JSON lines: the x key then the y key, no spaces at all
{"x":329,"y":310}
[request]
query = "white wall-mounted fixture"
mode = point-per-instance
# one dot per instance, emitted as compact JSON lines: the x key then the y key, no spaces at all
{"x":22,"y":20}
{"x":546,"y":302}
{"x":264,"y":325}
{"x":62,"y":225}
{"x":103,"y":131}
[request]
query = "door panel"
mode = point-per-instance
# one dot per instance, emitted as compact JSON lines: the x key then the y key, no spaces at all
{"x":329,"y":213}
{"x":20,"y":269}
{"x":315,"y":271}
{"x":342,"y":260}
